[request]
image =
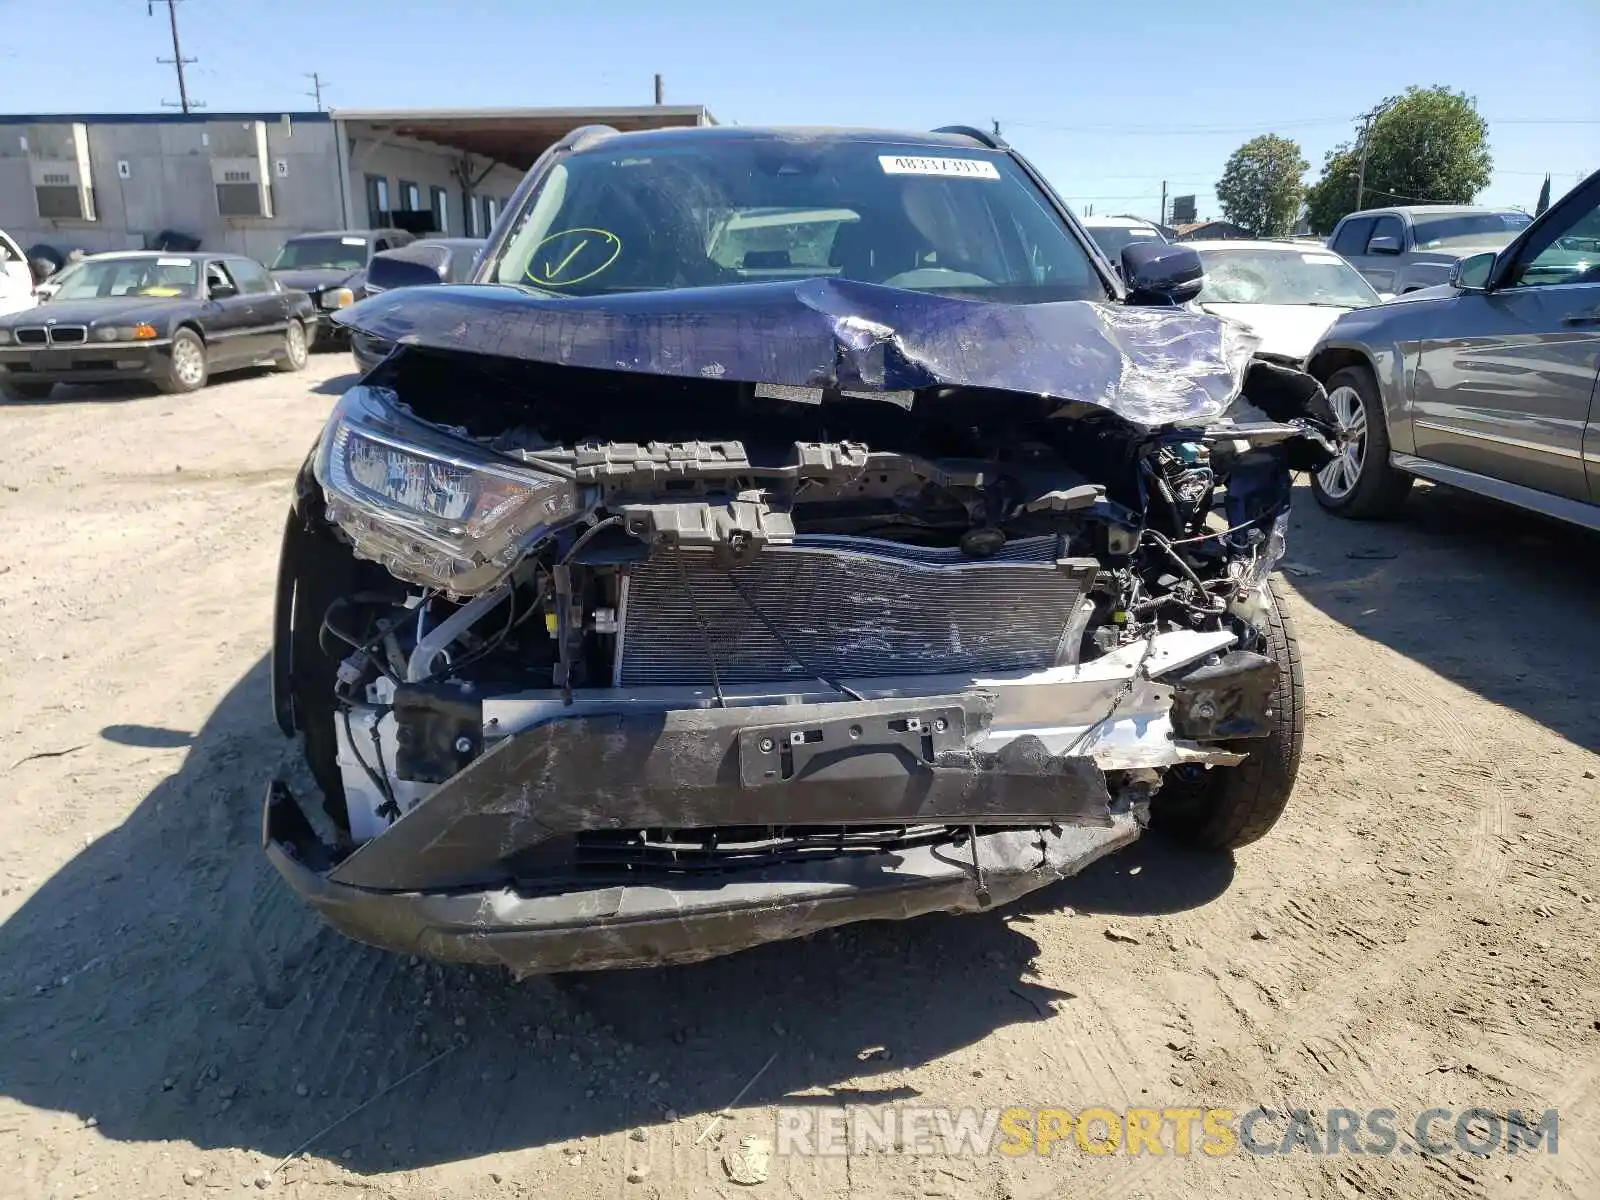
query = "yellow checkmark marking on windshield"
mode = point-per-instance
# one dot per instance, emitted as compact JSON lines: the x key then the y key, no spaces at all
{"x":552,"y":272}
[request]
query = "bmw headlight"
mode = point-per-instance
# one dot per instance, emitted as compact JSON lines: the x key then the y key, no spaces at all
{"x":337,"y":298}
{"x":106,"y":333}
{"x":5,"y":337}
{"x":433,"y":509}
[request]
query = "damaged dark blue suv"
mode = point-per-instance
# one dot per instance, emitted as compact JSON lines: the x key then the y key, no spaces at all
{"x":786,"y":528}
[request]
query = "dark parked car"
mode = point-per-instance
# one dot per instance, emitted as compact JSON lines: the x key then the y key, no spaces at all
{"x":427,"y":261}
{"x":331,"y":268}
{"x":1487,"y":382}
{"x":172,"y":319}
{"x":781,"y":531}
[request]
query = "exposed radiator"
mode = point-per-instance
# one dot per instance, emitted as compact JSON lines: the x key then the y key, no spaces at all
{"x":846,"y":607}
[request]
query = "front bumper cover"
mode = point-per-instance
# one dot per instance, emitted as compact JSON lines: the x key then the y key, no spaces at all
{"x":649,"y":925}
{"x":443,"y":881}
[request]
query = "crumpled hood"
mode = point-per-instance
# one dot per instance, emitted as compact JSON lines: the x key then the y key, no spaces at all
{"x":314,"y":279}
{"x":1151,"y":366}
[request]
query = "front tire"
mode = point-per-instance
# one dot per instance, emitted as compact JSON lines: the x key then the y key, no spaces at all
{"x":1223,"y":808}
{"x":1360,"y":482}
{"x":187,"y":368}
{"x":296,"y":349}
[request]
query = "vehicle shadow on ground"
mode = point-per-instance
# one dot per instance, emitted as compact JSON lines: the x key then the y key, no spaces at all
{"x":1495,"y":599}
{"x":338,"y":385}
{"x":165,"y":983}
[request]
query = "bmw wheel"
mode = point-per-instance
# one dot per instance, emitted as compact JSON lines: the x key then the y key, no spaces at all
{"x":186,"y":363}
{"x":1359,"y":482}
{"x":295,"y":348}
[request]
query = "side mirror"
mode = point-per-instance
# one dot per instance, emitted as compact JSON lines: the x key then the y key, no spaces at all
{"x":1384,"y":244}
{"x":1158,"y":273}
{"x":405,"y":268}
{"x":222,"y":291}
{"x":1471,"y":274}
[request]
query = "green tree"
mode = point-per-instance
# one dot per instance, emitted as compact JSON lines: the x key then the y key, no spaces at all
{"x":1426,"y":146}
{"x":1261,"y":186}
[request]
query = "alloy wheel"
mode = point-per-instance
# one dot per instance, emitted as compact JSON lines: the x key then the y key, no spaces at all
{"x":188,"y":362}
{"x":1339,"y":477}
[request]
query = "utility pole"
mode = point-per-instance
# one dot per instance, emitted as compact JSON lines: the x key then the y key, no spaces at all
{"x":1368,"y":120}
{"x":316,"y":88}
{"x":997,"y":127}
{"x":1162,"y":219}
{"x":661,"y":90}
{"x":177,"y":60}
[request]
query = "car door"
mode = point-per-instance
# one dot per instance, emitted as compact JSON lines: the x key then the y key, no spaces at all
{"x":268,"y":308}
{"x":1350,"y":241}
{"x":225,"y":319}
{"x":1380,"y":257}
{"x":1505,"y":385}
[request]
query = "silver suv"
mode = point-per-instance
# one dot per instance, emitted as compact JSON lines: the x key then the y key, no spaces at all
{"x":1400,"y":250}
{"x":1486,"y":383}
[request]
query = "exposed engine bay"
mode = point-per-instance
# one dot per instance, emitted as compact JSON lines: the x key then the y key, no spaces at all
{"x":552,"y":628}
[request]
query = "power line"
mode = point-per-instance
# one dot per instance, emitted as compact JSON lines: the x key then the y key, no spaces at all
{"x":177,"y":60}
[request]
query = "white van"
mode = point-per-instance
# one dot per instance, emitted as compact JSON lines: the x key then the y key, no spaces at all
{"x":16,"y":279}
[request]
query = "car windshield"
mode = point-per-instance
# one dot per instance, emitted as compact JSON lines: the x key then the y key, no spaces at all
{"x":949,"y":220}
{"x":1287,"y":276}
{"x":1493,"y":229}
{"x":1112,"y":238}
{"x":163,"y":278}
{"x":343,"y":253}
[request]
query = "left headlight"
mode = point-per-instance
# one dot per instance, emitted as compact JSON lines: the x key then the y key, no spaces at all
{"x":5,"y":337}
{"x":433,"y":509}
{"x":337,"y":298}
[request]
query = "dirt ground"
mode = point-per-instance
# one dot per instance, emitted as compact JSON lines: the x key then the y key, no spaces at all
{"x":1419,"y":930}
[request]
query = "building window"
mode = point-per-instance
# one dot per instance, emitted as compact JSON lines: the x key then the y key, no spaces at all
{"x":491,"y":210}
{"x":410,"y":196}
{"x":441,"y":209}
{"x":377,"y":201}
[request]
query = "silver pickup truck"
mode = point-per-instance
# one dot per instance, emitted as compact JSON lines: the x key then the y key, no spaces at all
{"x":1402,"y":249}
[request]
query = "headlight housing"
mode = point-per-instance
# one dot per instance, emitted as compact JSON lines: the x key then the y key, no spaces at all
{"x":341,"y":297}
{"x":5,"y":337}
{"x":433,"y":509}
{"x":107,"y":333}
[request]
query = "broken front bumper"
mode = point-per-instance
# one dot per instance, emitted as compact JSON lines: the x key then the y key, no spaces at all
{"x":654,"y":924}
{"x":475,"y":871}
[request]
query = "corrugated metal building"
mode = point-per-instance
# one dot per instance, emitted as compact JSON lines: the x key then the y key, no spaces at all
{"x":244,"y":182}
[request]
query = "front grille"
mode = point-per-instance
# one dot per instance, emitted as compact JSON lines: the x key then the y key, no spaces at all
{"x":56,"y":335}
{"x":723,"y":851}
{"x":845,"y":607}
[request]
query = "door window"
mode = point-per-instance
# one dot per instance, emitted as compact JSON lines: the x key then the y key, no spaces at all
{"x":251,"y":276}
{"x":1351,"y":240}
{"x":1564,"y":251}
{"x":1388,"y":226}
{"x":217,"y":277}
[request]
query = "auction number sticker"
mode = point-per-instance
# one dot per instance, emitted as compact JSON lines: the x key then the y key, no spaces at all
{"x":964,"y":168}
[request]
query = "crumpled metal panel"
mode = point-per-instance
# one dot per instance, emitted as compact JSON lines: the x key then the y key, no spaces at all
{"x":1150,"y":366}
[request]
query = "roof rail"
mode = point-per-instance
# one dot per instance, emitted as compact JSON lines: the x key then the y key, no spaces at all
{"x":586,"y":135}
{"x":992,"y":140}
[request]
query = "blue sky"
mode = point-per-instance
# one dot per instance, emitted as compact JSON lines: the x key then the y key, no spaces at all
{"x":1108,"y":99}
